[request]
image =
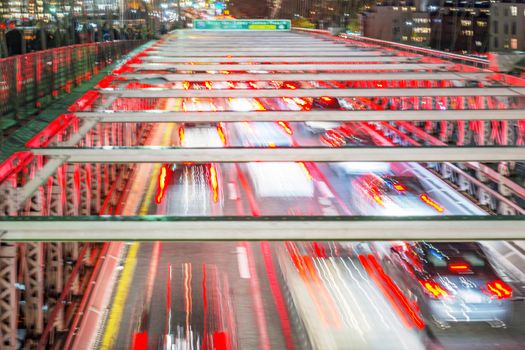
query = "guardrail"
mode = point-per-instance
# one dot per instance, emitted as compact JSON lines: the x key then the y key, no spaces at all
{"x":30,"y":82}
{"x":456,"y":58}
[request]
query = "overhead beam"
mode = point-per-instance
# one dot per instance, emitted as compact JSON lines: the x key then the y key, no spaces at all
{"x":292,"y":67}
{"x":245,"y":45}
{"x":154,"y":154}
{"x":264,"y":54}
{"x":310,"y":76}
{"x":265,"y":228}
{"x":293,"y":116}
{"x":302,"y":59}
{"x":429,"y":92}
{"x":233,"y":50}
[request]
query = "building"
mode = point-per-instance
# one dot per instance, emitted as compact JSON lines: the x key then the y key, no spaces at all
{"x":404,"y":22}
{"x":450,"y":25}
{"x":460,"y":26}
{"x":507,"y":26}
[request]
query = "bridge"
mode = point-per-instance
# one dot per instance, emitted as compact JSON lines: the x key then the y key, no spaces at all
{"x":231,"y":138}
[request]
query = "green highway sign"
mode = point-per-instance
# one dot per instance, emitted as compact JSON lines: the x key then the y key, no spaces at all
{"x":242,"y":24}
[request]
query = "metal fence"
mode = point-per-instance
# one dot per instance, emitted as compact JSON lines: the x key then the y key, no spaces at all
{"x":30,"y":82}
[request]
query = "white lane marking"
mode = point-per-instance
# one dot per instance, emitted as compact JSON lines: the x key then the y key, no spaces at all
{"x":232,"y":190}
{"x":242,"y":263}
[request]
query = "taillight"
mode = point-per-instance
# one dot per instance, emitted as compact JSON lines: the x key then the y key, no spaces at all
{"x":220,"y":131}
{"x":286,"y":127}
{"x":181,"y":135}
{"x":459,"y":267}
{"x":433,"y":289}
{"x":498,"y":290}
{"x":400,"y":187}
{"x":432,"y":203}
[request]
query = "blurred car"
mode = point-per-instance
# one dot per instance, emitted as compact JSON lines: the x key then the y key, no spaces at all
{"x":326,"y":102}
{"x":451,"y":282}
{"x":343,"y":169}
{"x":262,"y":134}
{"x":347,"y":135}
{"x":201,"y":135}
{"x":285,"y":179}
{"x":320,"y":127}
{"x":384,"y":194}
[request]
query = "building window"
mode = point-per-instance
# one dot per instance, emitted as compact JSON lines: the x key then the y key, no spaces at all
{"x":506,"y":12}
{"x":513,"y":28}
{"x":496,"y":43}
{"x":495,"y":27}
{"x":514,"y":43}
{"x":466,"y":23}
{"x":506,"y":28}
{"x":514,"y":11}
{"x":481,"y":24}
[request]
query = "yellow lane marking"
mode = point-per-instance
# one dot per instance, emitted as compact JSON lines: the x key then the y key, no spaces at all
{"x":121,"y":295}
{"x":144,"y":208}
{"x":115,"y":316}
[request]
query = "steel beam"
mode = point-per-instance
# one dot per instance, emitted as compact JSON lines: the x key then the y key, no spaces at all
{"x":243,"y":45}
{"x":293,"y":116}
{"x":320,"y":66}
{"x":50,"y":167}
{"x":310,"y":76}
{"x":423,"y":92}
{"x":34,"y":283}
{"x":154,"y":154}
{"x":269,"y":228}
{"x":8,"y":300}
{"x":261,"y":53}
{"x":298,"y":60}
{"x":254,"y":49}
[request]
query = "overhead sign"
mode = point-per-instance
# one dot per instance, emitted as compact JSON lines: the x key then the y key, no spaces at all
{"x":242,"y":24}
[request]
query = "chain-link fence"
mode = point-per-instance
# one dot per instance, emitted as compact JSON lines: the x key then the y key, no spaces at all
{"x":30,"y":82}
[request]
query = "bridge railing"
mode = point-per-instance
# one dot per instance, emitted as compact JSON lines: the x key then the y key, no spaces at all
{"x":30,"y":82}
{"x":448,"y":56}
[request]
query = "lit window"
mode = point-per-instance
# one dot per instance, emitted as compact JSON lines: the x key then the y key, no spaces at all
{"x":514,"y":11}
{"x":481,"y":24}
{"x":514,"y":43}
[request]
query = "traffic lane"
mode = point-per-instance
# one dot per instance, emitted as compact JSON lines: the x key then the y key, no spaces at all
{"x":337,"y":301}
{"x":189,"y":191}
{"x":136,"y":305}
{"x":254,"y":319}
{"x":441,"y":194}
{"x":268,"y":189}
{"x":470,"y":335}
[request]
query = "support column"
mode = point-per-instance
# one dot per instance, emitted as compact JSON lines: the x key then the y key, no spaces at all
{"x":34,"y":284}
{"x":55,"y":279}
{"x":8,"y":302}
